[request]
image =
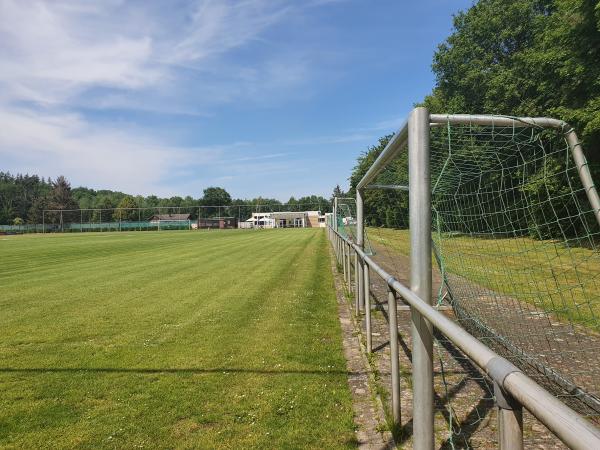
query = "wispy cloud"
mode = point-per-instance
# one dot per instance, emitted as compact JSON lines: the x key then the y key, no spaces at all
{"x":62,"y":58}
{"x":92,"y":155}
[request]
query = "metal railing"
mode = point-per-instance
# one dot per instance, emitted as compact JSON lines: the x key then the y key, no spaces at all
{"x":512,"y":388}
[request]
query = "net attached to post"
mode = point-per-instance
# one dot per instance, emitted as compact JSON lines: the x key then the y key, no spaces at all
{"x":515,"y":245}
{"x":518,"y":248}
{"x":346,"y":222}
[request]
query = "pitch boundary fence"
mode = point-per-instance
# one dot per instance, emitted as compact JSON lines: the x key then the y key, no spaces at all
{"x":138,"y":218}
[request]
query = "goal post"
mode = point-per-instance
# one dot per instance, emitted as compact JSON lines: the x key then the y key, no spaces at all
{"x":508,"y":207}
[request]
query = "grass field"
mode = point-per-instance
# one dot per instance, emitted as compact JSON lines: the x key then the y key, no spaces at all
{"x":554,"y":277}
{"x":223,"y":339}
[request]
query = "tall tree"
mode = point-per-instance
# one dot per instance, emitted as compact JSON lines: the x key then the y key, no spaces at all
{"x":61,"y":198}
{"x":527,"y":58}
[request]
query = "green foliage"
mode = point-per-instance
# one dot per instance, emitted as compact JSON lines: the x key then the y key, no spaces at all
{"x":520,"y":58}
{"x":28,"y":196}
{"x":123,"y":212}
{"x":216,"y":196}
{"x":382,"y":208}
{"x":525,"y":58}
{"x":18,"y":195}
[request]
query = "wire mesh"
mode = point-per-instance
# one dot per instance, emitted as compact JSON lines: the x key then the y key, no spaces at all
{"x":247,"y":216}
{"x":516,"y":247}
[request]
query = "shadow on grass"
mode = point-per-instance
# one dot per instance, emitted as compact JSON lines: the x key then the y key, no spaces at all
{"x":175,"y":371}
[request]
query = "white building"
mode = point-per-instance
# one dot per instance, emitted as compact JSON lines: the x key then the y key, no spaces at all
{"x":285,"y":219}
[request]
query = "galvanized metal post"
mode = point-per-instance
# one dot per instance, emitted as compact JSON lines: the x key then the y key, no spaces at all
{"x":344,"y":250}
{"x":510,"y":420}
{"x":367,"y":307}
{"x":349,"y":265}
{"x":360,"y":240}
{"x":420,"y":276}
{"x":335,"y":212}
{"x":356,"y":285}
{"x":584,"y":172}
{"x":394,"y":356}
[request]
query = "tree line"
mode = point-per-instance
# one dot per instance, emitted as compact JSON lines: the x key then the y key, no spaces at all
{"x":24,"y":198}
{"x":518,"y":58}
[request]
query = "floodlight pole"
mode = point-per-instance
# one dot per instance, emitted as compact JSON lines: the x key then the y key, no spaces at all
{"x":420,"y":276}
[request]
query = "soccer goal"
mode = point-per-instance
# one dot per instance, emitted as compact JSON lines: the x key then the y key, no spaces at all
{"x":505,"y":211}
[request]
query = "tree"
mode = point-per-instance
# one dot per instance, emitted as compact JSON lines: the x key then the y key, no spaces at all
{"x":17,"y":221}
{"x":123,"y":211}
{"x":338,"y":192}
{"x":524,"y":57}
{"x":102,"y":203}
{"x":36,"y":211}
{"x":61,"y":198}
{"x":527,"y":58}
{"x":215,"y":196}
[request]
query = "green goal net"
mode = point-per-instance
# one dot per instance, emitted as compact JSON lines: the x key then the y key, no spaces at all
{"x":516,"y":250}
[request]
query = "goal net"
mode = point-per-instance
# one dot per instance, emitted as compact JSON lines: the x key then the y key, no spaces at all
{"x":516,"y":245}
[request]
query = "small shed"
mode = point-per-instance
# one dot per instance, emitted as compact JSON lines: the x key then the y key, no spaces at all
{"x":169,"y":218}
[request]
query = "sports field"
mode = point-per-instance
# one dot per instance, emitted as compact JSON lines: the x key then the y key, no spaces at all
{"x":222,"y":339}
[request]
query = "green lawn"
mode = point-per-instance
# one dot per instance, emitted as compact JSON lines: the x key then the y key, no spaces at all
{"x":222,"y":339}
{"x":561,"y":280}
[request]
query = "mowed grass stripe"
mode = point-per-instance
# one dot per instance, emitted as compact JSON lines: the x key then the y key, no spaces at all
{"x":130,"y":302}
{"x":182,"y":339}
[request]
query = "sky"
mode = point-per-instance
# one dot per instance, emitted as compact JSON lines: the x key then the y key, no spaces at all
{"x":267,"y":98}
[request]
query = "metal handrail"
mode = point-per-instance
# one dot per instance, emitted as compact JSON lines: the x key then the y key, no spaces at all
{"x":570,"y":427}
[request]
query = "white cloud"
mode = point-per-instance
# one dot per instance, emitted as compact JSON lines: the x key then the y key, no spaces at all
{"x":65,"y":144}
{"x":50,"y":52}
{"x":218,"y":26}
{"x":61,"y":57}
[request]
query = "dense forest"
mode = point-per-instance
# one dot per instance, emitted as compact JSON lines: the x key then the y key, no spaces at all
{"x":23,"y":198}
{"x":518,"y":58}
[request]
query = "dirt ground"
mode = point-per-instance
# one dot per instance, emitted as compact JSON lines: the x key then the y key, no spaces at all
{"x":465,"y":413}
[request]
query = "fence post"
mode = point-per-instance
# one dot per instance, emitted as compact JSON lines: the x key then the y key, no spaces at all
{"x":360,"y":242}
{"x":335,"y":208}
{"x":356,"y":285}
{"x":394,"y":356}
{"x":349,"y":267}
{"x":367,"y":307}
{"x":510,"y":420}
{"x":420,"y":276}
{"x":344,"y":250}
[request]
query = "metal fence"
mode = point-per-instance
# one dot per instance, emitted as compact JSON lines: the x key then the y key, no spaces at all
{"x":159,"y":218}
{"x":513,"y":389}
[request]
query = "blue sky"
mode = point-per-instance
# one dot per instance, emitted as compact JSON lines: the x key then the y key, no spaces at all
{"x":262,"y":97}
